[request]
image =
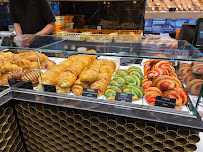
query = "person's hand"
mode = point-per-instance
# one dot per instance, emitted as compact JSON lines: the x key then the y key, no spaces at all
{"x":28,"y":39}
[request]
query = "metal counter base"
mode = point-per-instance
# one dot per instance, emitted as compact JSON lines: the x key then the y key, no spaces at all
{"x":58,"y":124}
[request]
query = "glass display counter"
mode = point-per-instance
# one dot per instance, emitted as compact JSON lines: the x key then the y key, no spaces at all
{"x":156,"y":82}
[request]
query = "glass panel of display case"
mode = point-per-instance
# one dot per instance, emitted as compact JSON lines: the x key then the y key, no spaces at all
{"x":77,"y":76}
{"x":21,"y":68}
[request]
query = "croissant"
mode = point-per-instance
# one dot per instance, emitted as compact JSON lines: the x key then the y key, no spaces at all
{"x":78,"y":87}
{"x":8,"y":55}
{"x":17,"y":74}
{"x":100,"y":85}
{"x":34,"y":65}
{"x":105,"y":76}
{"x":89,"y":75}
{"x":91,"y":56}
{"x":4,"y":79}
{"x":111,"y":63}
{"x":107,"y":69}
{"x":48,"y":64}
{"x":9,"y":67}
{"x":50,"y":77}
{"x":86,"y":59}
{"x":75,"y":69}
{"x":21,"y":61}
{"x":32,"y":76}
{"x":62,"y":90}
{"x":66,"y":63}
{"x":3,"y":61}
{"x":66,"y":79}
{"x":80,"y":63}
{"x":59,"y":68}
{"x":32,"y":56}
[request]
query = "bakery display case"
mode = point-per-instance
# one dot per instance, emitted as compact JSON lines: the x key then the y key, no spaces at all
{"x":141,"y":95}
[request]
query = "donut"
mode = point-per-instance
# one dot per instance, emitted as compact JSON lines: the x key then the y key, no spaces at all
{"x":179,"y":94}
{"x":194,"y":86}
{"x":133,"y":80}
{"x":136,"y":91}
{"x":121,"y":73}
{"x":110,"y":92}
{"x":151,"y":93}
{"x":164,"y":82}
{"x":156,"y":72}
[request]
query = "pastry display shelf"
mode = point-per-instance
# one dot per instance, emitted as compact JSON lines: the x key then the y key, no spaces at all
{"x":178,"y":14}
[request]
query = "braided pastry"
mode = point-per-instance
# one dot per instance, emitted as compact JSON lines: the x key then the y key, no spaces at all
{"x":134,"y":90}
{"x":179,"y":94}
{"x":110,"y":92}
{"x":101,"y":85}
{"x":32,"y":76}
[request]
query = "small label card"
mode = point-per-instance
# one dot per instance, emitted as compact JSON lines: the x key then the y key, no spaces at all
{"x":172,"y":9}
{"x":12,"y":82}
{"x":90,"y":92}
{"x":21,"y":84}
{"x":126,"y":97}
{"x":125,"y":60}
{"x":49,"y":88}
{"x":165,"y":102}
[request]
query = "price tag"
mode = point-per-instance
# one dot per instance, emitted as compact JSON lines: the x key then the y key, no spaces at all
{"x":172,"y":9}
{"x":21,"y":84}
{"x":49,"y":88}
{"x":125,"y":60}
{"x":165,"y":102}
{"x":126,"y":97}
{"x":90,"y":92}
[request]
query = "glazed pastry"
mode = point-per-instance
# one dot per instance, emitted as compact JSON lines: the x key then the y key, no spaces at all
{"x":50,"y":77}
{"x":111,"y":63}
{"x":146,"y":83}
{"x":66,"y":79}
{"x":105,"y":76}
{"x":164,"y":82}
{"x":62,"y":90}
{"x":48,"y":64}
{"x":133,"y":80}
{"x":134,"y":90}
{"x":151,"y":93}
{"x":156,"y":72}
{"x":194,"y":86}
{"x":179,"y":94}
{"x":32,"y":76}
{"x":9,"y":67}
{"x":118,"y":81}
{"x":17,"y":74}
{"x":110,"y":92}
{"x":198,"y":69}
{"x":4,"y":79}
{"x":66,"y":63}
{"x":100,"y":85}
{"x":89,"y":76}
{"x":59,"y":68}
{"x":177,"y":82}
{"x":107,"y":69}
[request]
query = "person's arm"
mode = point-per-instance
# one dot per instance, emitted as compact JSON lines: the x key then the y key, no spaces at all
{"x":49,"y":28}
{"x":17,"y":29}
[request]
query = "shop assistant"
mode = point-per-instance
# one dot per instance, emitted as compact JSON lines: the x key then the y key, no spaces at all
{"x":31,"y":18}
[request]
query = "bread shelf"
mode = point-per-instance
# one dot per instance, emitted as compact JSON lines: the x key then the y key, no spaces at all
{"x":182,"y":14}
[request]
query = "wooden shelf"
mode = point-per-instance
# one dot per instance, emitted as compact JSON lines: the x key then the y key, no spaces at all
{"x":182,"y":14}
